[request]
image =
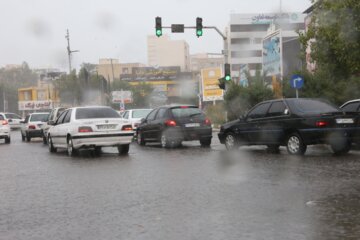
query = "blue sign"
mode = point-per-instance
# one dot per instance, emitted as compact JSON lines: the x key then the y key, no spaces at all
{"x":296,"y":81}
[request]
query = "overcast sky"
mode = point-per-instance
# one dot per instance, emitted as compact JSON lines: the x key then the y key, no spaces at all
{"x":34,"y":30}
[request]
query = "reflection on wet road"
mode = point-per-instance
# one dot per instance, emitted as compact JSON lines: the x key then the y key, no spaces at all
{"x":185,"y":193}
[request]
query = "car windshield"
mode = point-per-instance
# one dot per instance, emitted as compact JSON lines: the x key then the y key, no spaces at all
{"x":85,"y":113}
{"x":39,"y":117}
{"x":141,"y":113}
{"x":12,"y":116}
{"x":311,"y":106}
{"x":183,"y":112}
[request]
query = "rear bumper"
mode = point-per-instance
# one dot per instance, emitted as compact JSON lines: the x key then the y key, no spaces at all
{"x":329,"y":135}
{"x":189,"y":134}
{"x":101,"y":140}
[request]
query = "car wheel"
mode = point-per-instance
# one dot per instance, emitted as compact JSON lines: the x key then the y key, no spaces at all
{"x":70,"y":148}
{"x":166,"y":143}
{"x":341,"y":148}
{"x":97,"y":150}
{"x":206,"y":142}
{"x":7,"y":140}
{"x":231,"y":142}
{"x":273,"y":148}
{"x":295,"y":145}
{"x":140,"y":139}
{"x":28,"y":138}
{"x":123,"y":149}
{"x":52,"y":149}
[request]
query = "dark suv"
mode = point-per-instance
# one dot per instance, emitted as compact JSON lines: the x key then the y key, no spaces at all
{"x":170,"y":125}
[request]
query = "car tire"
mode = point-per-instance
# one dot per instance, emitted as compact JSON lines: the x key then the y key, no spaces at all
{"x":295,"y":145}
{"x":28,"y":138}
{"x":231,"y":143}
{"x":342,"y":148}
{"x":7,"y":140}
{"x":273,"y":148}
{"x":52,"y":149}
{"x":206,"y":142}
{"x":70,"y":148}
{"x":123,"y":149}
{"x":97,"y":151}
{"x":44,"y":140}
{"x":140,"y":139}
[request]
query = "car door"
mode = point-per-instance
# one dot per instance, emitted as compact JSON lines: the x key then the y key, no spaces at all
{"x":64,"y":128}
{"x":148,"y":127}
{"x":158,"y":123}
{"x":274,"y":124}
{"x":56,"y":132}
{"x":255,"y":120}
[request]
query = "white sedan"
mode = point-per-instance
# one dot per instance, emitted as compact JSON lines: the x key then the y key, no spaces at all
{"x":89,"y":127}
{"x":134,"y":116}
{"x":4,"y":129}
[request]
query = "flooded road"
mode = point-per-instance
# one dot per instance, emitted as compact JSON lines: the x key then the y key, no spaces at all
{"x":185,"y":193}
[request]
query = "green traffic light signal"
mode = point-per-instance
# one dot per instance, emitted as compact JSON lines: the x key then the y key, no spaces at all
{"x":199,"y":33}
{"x":199,"y":27}
{"x":158,"y":32}
{"x":228,"y":78}
{"x":158,"y":26}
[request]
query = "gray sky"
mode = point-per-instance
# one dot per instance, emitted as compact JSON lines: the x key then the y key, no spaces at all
{"x":34,"y":30}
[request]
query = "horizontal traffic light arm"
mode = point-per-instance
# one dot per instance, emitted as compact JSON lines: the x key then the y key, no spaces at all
{"x":204,"y":27}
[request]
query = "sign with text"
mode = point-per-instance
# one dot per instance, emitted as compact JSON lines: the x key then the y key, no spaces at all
{"x":210,"y":87}
{"x":272,"y":54}
{"x":121,"y":96}
{"x":35,"y":105}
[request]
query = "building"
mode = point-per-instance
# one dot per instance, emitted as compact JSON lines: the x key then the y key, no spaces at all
{"x":205,"y":60}
{"x":164,"y":52}
{"x":111,"y":68}
{"x":246,"y":34}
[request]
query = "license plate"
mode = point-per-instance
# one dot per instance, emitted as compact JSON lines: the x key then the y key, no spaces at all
{"x":192,"y":125}
{"x":344,"y":121}
{"x":106,"y":127}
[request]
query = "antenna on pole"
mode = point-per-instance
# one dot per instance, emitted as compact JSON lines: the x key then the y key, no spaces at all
{"x":69,"y":51}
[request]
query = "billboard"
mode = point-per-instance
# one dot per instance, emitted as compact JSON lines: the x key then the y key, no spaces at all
{"x":121,"y":96}
{"x":35,"y":105}
{"x":210,"y":87}
{"x":272,"y":54}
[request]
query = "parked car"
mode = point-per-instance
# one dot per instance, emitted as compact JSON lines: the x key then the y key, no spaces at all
{"x":13,"y":119}
{"x":134,"y":116}
{"x":353,"y":106}
{"x":294,"y":123}
{"x":4,"y":129}
{"x":54,"y":114}
{"x":31,"y":126}
{"x":170,"y":125}
{"x":89,"y":127}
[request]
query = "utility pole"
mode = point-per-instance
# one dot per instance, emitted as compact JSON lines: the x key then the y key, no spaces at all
{"x":68,"y":49}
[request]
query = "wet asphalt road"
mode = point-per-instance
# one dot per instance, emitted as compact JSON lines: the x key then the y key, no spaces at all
{"x":185,"y":193}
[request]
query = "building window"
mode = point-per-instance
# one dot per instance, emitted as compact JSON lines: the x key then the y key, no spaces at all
{"x":240,"y":41}
{"x":249,"y":27}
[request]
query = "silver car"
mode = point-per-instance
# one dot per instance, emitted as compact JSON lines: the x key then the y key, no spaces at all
{"x":89,"y":128}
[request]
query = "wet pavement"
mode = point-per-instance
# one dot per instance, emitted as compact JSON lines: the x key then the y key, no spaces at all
{"x":185,"y":193}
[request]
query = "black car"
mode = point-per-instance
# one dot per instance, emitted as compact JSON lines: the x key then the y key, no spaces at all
{"x":353,"y":106}
{"x":170,"y":125}
{"x":294,"y":123}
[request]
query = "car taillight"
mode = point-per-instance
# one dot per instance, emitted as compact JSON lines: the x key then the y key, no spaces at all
{"x":32,"y":127}
{"x":126,"y":128}
{"x":207,"y":122}
{"x":184,"y":106}
{"x":85,"y":129}
{"x":170,"y":123}
{"x":4,"y":122}
{"x":322,"y":123}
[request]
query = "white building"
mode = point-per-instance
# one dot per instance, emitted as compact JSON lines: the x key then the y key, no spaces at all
{"x":164,"y":52}
{"x":247,"y":31}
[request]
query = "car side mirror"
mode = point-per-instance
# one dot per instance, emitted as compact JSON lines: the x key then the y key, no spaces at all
{"x":51,"y":122}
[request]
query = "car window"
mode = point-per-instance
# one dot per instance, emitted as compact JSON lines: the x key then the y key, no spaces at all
{"x":126,"y":115}
{"x":1,"y":117}
{"x":151,"y":115}
{"x":67,"y":116}
{"x":307,"y":106}
{"x":141,"y":113}
{"x":27,"y":119}
{"x":351,"y":107}
{"x":59,"y":112}
{"x":51,"y":116}
{"x":259,"y":111}
{"x":12,"y":116}
{"x":39,"y":117}
{"x":85,"y":113}
{"x":61,"y":118}
{"x":182,"y":112}
{"x":161,"y":113}
{"x":276,"y":109}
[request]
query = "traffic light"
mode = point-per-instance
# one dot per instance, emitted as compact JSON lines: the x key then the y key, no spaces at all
{"x":158,"y":27}
{"x":227,"y":72}
{"x":199,"y":27}
{"x":221,"y":83}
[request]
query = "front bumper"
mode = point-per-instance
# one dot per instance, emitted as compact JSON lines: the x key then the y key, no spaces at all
{"x":101,"y":140}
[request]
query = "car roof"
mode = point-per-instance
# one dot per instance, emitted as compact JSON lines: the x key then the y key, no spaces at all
{"x":90,"y":107}
{"x":350,"y":101}
{"x":39,"y":113}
